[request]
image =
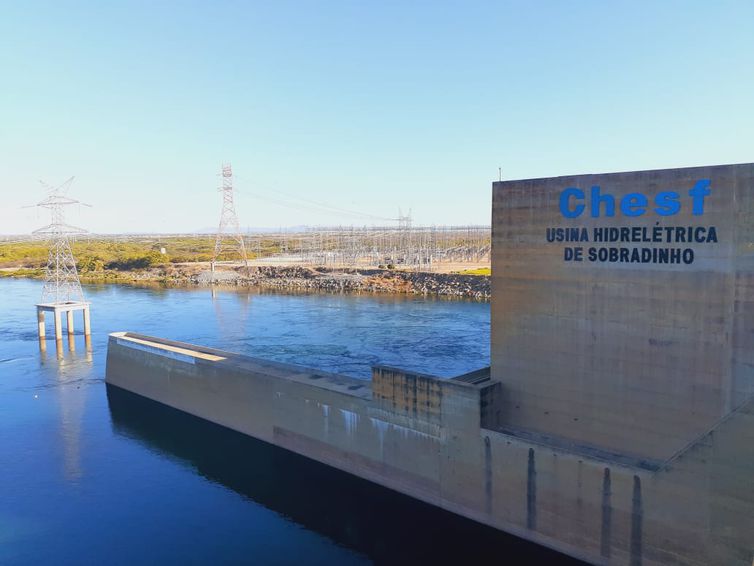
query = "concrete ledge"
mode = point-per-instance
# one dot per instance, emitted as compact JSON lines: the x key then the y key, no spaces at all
{"x":195,"y":354}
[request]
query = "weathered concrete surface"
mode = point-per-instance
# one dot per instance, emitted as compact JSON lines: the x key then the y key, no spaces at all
{"x":421,"y":435}
{"x":638,"y":358}
{"x":647,"y":363}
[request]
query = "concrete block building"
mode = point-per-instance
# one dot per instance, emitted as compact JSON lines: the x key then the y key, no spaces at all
{"x":623,"y":328}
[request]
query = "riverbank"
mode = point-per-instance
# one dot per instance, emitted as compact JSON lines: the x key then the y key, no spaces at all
{"x":295,"y":278}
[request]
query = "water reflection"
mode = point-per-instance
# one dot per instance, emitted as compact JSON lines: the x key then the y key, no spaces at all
{"x":380,"y":523}
{"x":67,"y":368}
{"x":231,"y":312}
{"x":59,"y":353}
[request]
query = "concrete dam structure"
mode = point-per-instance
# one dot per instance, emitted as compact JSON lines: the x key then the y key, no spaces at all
{"x":616,"y":422}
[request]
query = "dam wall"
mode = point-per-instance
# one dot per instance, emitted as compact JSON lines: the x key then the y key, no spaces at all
{"x":424,"y":436}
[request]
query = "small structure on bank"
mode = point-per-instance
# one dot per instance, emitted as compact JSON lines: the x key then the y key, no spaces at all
{"x":62,"y":291}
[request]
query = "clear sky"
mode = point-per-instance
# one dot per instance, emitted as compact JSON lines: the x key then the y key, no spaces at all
{"x":364,"y":106}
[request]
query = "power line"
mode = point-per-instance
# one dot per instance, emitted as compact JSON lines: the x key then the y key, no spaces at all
{"x":312,"y":203}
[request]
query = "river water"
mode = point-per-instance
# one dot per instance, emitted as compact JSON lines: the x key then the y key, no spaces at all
{"x":93,"y":475}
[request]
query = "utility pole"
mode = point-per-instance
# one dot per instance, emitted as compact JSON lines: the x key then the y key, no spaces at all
{"x":229,"y":238}
{"x":62,"y":289}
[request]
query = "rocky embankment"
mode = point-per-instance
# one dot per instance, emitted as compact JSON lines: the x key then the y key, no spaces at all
{"x":295,"y":278}
{"x":367,"y":280}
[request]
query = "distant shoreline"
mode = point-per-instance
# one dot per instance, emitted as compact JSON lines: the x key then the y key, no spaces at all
{"x":391,"y":281}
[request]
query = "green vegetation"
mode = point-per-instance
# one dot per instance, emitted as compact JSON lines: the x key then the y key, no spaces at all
{"x":480,"y":271}
{"x":23,"y":254}
{"x":113,"y":259}
{"x":97,"y":255}
{"x":21,"y":272}
{"x":118,"y":258}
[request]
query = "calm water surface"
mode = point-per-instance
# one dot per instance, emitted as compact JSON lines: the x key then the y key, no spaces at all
{"x":93,"y":475}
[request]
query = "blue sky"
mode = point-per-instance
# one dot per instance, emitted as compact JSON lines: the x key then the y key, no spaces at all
{"x":367,"y":107}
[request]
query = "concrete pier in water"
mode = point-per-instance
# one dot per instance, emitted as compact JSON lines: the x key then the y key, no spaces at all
{"x":616,"y":423}
{"x":58,"y":309}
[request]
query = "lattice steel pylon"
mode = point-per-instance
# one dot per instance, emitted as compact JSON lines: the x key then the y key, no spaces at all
{"x":229,"y":238}
{"x":62,"y":283}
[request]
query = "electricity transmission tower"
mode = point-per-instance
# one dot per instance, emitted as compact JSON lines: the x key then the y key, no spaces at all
{"x":404,"y":235}
{"x":229,"y":238}
{"x":62,"y":283}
